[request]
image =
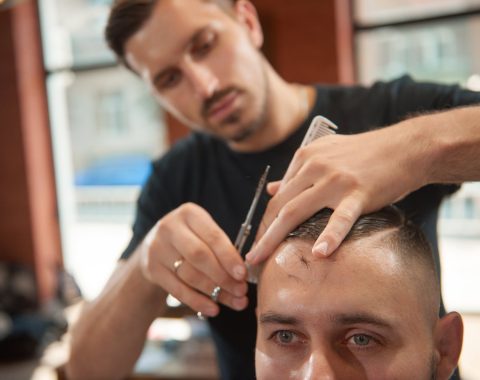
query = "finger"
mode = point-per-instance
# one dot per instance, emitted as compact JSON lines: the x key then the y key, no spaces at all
{"x":194,"y":278}
{"x":202,"y":224}
{"x":294,"y":187}
{"x":272,"y":187}
{"x":339,"y":225}
{"x":295,"y":165}
{"x":200,"y":256}
{"x":291,"y":215}
{"x":167,"y":280}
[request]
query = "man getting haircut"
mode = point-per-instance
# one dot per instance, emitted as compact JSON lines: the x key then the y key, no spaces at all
{"x":203,"y":62}
{"x":369,"y":311}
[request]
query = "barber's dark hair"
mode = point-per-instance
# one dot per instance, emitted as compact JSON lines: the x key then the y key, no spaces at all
{"x":125,"y":19}
{"x":404,"y":236}
{"x":128,"y":16}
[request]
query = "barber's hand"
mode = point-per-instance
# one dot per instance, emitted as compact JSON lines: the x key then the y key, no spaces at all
{"x":352,"y":175}
{"x":204,"y":257}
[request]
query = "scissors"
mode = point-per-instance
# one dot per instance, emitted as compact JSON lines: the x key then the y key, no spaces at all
{"x":319,"y":127}
{"x":246,"y":226}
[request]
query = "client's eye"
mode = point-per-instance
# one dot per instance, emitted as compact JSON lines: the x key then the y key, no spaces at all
{"x":285,"y":337}
{"x":361,"y":339}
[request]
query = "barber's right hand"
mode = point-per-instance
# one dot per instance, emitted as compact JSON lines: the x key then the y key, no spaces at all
{"x":205,"y":257}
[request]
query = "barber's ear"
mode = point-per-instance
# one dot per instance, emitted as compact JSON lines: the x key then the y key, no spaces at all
{"x":247,"y":15}
{"x":448,"y":344}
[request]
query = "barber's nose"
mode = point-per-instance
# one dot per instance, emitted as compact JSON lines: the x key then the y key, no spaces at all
{"x":202,"y":79}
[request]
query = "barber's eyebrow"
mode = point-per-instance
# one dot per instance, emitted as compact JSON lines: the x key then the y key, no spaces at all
{"x":276,"y":318}
{"x":194,"y":39}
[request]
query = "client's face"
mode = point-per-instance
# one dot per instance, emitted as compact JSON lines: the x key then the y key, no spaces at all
{"x":356,"y":315}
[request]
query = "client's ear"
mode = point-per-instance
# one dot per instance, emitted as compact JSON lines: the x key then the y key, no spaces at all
{"x":448,"y":344}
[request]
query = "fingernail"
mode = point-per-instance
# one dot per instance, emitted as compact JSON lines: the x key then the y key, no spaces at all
{"x":250,"y":256}
{"x":239,"y":272}
{"x":320,"y":249}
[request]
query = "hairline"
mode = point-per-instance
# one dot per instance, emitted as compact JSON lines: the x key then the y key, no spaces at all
{"x":119,"y":43}
{"x":417,"y":258}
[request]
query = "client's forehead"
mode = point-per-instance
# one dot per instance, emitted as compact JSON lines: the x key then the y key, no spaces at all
{"x":366,"y":257}
{"x":362,"y":276}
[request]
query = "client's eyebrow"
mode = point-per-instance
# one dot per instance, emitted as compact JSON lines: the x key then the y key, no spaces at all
{"x":339,"y":319}
{"x":276,"y":318}
{"x":363,"y":318}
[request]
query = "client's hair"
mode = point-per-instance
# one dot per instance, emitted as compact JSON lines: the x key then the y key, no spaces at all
{"x":400,"y":234}
{"x":395,"y":232}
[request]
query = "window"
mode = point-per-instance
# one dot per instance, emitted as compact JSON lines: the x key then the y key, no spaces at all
{"x":431,"y":40}
{"x":106,"y":128}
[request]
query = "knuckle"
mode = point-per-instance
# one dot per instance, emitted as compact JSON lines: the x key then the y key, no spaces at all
{"x":301,"y":154}
{"x":316,"y":165}
{"x":186,"y":208}
{"x":196,"y":254}
{"x":344,"y":216}
{"x":213,"y":237}
{"x":164,"y":225}
{"x":287,"y":212}
{"x":346,"y":179}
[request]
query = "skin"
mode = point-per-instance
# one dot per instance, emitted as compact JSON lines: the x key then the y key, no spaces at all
{"x":356,"y":315}
{"x":188,"y":232}
{"x":228,"y":89}
{"x":436,"y":148}
{"x":198,"y":48}
{"x":214,"y":56}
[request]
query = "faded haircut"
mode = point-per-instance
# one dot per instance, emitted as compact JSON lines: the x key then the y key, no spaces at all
{"x":395,"y":232}
{"x":128,"y":16}
{"x":400,"y":234}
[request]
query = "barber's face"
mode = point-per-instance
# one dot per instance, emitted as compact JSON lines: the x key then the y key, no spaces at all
{"x":354,"y":316}
{"x":204,"y":65}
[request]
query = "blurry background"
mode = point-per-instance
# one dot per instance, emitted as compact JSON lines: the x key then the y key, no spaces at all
{"x":105,"y":127}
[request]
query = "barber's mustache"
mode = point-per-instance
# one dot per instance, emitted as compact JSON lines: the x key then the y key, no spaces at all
{"x":209,"y":103}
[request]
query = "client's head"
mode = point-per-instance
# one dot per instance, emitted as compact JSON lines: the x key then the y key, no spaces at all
{"x":369,"y":311}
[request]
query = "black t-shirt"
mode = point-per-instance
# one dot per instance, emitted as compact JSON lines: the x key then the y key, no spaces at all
{"x":204,"y":170}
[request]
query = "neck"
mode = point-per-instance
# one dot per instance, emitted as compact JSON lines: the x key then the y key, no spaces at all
{"x":288,"y":104}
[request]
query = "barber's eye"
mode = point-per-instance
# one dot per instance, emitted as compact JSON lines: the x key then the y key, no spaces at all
{"x":204,"y":44}
{"x":169,"y":79}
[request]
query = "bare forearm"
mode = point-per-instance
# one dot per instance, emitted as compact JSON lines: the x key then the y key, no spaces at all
{"x":452,"y":143}
{"x":109,"y":336}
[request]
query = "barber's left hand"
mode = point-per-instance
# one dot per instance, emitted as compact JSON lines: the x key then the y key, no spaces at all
{"x":352,"y":175}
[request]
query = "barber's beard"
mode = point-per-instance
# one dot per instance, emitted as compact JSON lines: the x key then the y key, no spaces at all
{"x":248,"y":129}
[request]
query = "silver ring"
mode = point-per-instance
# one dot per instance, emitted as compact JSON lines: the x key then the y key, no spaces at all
{"x":215,"y":293}
{"x":176,"y":265}
{"x":200,"y":316}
